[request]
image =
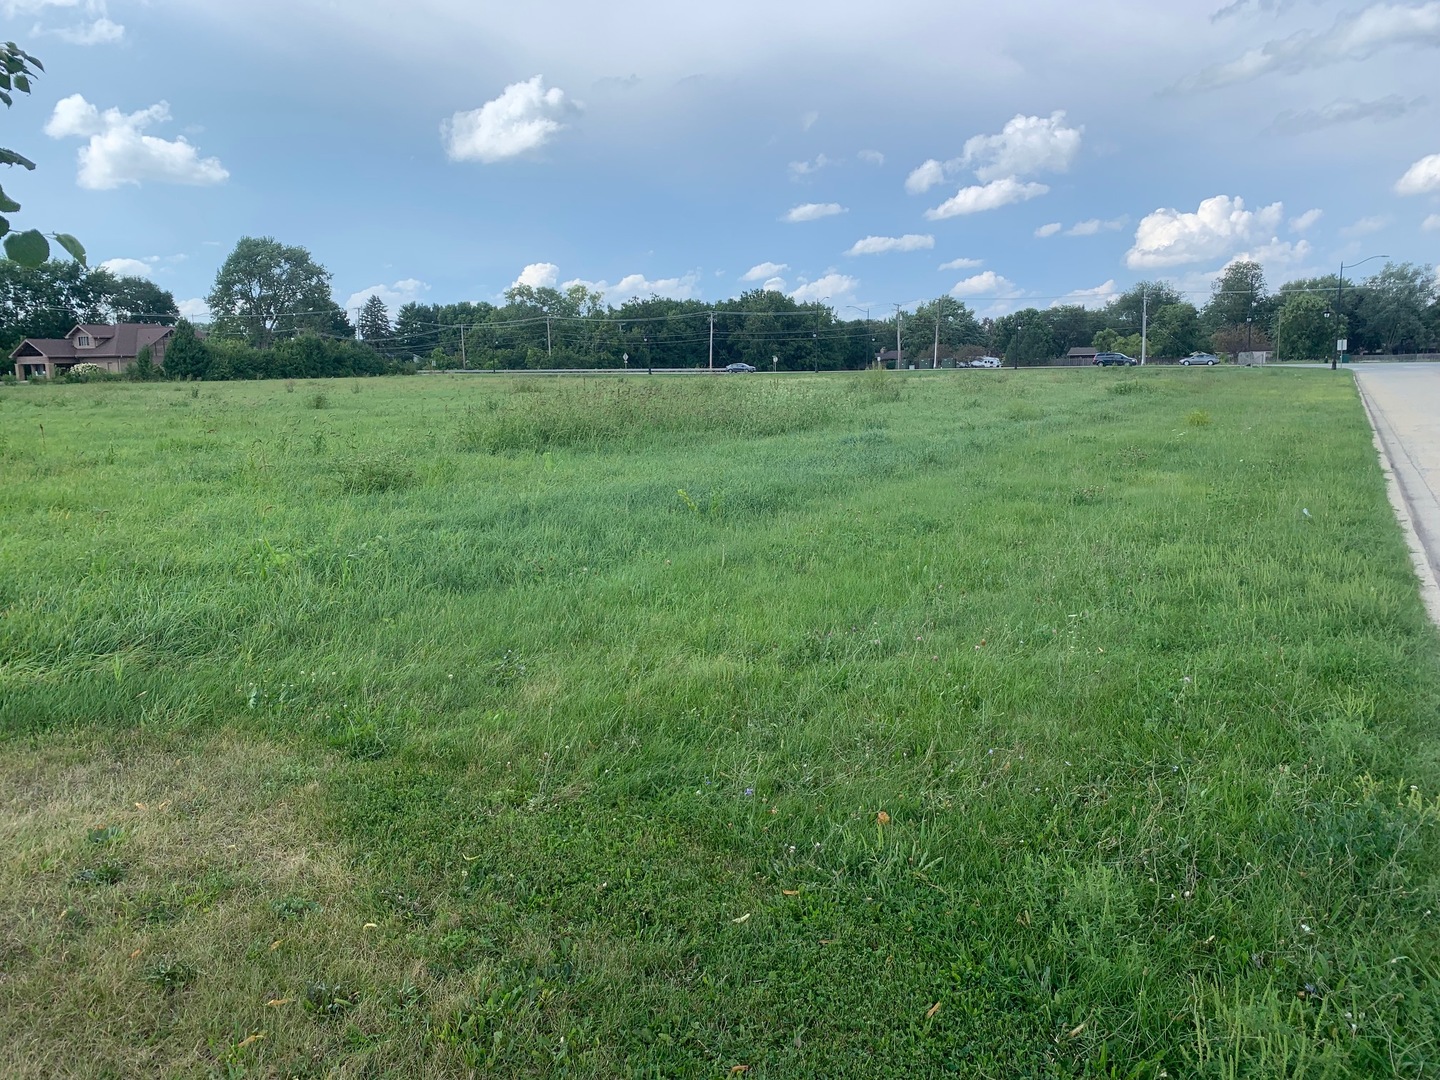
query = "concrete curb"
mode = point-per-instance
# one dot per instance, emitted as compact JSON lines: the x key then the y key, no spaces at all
{"x":1416,"y":507}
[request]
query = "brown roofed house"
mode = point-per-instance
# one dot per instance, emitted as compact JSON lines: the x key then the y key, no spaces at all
{"x":113,"y":348}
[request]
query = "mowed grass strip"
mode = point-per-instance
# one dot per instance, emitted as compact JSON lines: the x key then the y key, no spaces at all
{"x":994,"y":724}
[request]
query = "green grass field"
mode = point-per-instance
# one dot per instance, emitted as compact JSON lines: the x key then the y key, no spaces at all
{"x":990,"y":724}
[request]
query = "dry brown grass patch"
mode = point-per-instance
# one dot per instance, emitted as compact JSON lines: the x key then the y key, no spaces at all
{"x":165,"y":913}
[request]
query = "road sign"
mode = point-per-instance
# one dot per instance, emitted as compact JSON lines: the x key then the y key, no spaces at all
{"x":1342,"y":344}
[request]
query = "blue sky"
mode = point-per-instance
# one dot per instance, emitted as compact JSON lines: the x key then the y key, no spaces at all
{"x":868,"y":155}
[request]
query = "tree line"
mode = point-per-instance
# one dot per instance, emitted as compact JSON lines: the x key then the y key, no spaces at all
{"x":273,"y":315}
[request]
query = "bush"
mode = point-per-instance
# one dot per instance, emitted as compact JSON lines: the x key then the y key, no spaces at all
{"x":83,"y":373}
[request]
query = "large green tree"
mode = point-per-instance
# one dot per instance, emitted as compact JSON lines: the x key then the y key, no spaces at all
{"x":945,"y":319}
{"x":1392,"y":309}
{"x":1130,"y":308}
{"x":186,"y":355}
{"x":374,"y":323}
{"x":1305,"y":328}
{"x":1239,"y":293}
{"x":18,"y":70}
{"x":137,"y":299}
{"x":266,"y":289}
{"x":1174,"y":331}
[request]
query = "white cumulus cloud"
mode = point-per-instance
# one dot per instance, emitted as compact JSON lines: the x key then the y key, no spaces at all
{"x":871,"y":157}
{"x":127,"y":267}
{"x":633,"y":286}
{"x":812,"y":212}
{"x":1277,"y":256}
{"x":1365,"y":226}
{"x":987,"y":283}
{"x":1431,"y":223}
{"x":1099,"y":296}
{"x":195,"y":309}
{"x":1217,"y":228}
{"x":763,"y":271}
{"x":962,"y":264}
{"x":523,"y":118}
{"x":538,"y":276}
{"x":1095,"y":226}
{"x":119,"y":153}
{"x":880,"y":245}
{"x":395,"y":295}
{"x":832,"y":288}
{"x":1026,"y":144}
{"x":1422,"y":177}
{"x":923,"y":177}
{"x":1306,"y":220}
{"x":991,"y":196}
{"x":1048,"y":230}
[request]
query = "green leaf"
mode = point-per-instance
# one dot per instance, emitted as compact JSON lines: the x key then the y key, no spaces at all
{"x":22,"y":83}
{"x":28,"y":248}
{"x":7,"y":204}
{"x":4,"y":226}
{"x":10,"y":157}
{"x":73,"y":246}
{"x":4,"y":97}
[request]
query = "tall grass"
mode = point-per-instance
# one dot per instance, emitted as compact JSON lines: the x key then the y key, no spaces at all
{"x":744,"y":726}
{"x":608,"y":412}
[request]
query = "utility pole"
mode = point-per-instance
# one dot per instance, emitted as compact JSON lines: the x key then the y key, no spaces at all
{"x":1144,"y":321}
{"x":712,"y":341}
{"x":897,"y":337}
{"x":935,"y":360}
{"x":547,"y":337}
{"x":462,"y":346}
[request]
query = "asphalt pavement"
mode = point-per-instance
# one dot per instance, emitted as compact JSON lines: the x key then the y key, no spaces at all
{"x":1403,"y":401}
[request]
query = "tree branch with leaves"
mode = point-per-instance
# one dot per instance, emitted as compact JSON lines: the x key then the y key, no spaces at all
{"x":18,"y":69}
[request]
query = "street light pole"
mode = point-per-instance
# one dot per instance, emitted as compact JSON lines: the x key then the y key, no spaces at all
{"x":897,"y":337}
{"x":1339,"y":289}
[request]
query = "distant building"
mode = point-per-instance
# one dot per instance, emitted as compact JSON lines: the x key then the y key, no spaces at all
{"x":1081,"y":356}
{"x":113,"y":348}
{"x":890,"y":356}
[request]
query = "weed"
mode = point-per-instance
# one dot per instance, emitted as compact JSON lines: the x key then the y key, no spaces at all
{"x":373,"y":474}
{"x":318,"y":400}
{"x":1131,"y":386}
{"x":878,"y":385}
{"x":1197,"y":418}
{"x":290,"y":908}
{"x":328,"y":1000}
{"x":107,"y":873}
{"x":507,"y":670}
{"x":106,"y":835}
{"x":170,"y":974}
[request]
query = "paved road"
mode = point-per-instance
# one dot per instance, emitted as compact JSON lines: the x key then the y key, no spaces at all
{"x":1404,"y":405}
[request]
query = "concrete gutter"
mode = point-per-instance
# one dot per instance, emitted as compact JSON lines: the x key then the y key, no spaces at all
{"x":1417,"y":506}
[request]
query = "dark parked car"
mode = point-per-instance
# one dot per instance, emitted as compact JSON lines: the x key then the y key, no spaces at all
{"x":1208,"y":359}
{"x":1114,"y":359}
{"x":736,"y":369}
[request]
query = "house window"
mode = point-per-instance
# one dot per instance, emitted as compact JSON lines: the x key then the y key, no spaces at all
{"x":82,"y":341}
